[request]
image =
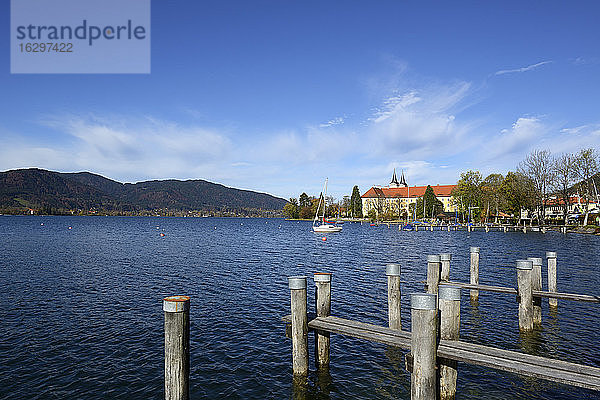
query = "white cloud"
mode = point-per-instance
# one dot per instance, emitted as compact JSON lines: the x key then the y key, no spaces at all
{"x":523,"y":69}
{"x":332,"y":122}
{"x":129,"y":148}
{"x":419,"y":123}
{"x":524,"y":134}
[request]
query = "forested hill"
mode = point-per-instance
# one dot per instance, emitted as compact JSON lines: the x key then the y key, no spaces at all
{"x":48,"y":192}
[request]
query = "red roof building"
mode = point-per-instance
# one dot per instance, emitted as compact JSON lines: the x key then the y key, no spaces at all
{"x":397,"y":197}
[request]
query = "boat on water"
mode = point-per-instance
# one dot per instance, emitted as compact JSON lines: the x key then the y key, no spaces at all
{"x":324,"y":226}
{"x":408,"y":227}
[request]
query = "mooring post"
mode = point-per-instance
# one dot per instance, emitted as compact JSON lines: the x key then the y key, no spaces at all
{"x":536,"y":284}
{"x":323,"y":309}
{"x":474,"y":271}
{"x":433,"y":273}
{"x":393,"y":277}
{"x":297,"y":286}
{"x":445,"y":259}
{"x":177,"y":347}
{"x":423,"y":382}
{"x":449,"y":306}
{"x":551,"y":256}
{"x":524,"y":279}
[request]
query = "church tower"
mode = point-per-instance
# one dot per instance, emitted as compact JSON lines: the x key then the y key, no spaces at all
{"x":394,"y":183}
{"x":402,"y":180}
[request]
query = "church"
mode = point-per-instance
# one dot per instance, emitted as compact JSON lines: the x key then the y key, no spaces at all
{"x":397,"y":196}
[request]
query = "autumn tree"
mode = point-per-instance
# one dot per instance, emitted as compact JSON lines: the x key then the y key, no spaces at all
{"x":491,"y":194}
{"x":467,"y":193}
{"x":538,"y":167}
{"x":517,"y":191}
{"x":586,"y":167}
{"x":565,"y":177}
{"x":291,"y":208}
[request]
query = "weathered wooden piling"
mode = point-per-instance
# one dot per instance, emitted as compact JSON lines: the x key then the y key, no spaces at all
{"x":445,"y":259}
{"x":474,"y":268}
{"x":177,"y":347}
{"x":536,"y":285}
{"x":433,"y":273}
{"x":551,"y":257}
{"x":297,"y":285}
{"x":524,"y":279}
{"x":449,"y":307}
{"x":323,"y":305}
{"x":393,"y":277}
{"x":423,"y":382}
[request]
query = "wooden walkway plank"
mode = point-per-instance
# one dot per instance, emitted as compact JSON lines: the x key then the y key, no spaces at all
{"x":505,"y":360}
{"x":503,"y":289}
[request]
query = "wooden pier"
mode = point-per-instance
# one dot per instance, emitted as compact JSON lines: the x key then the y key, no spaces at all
{"x":436,"y":314}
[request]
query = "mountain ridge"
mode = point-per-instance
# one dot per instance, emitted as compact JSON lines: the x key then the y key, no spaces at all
{"x":51,"y":192}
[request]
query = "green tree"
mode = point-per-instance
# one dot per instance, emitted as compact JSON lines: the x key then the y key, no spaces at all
{"x":428,"y":206}
{"x":372,"y":215}
{"x":291,"y":208}
{"x":356,"y":203}
{"x":467,"y":194}
{"x":518,"y":192}
{"x":304,"y":200}
{"x":491,"y":194}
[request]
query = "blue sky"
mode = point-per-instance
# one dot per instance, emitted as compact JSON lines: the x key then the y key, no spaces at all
{"x":276,"y":96}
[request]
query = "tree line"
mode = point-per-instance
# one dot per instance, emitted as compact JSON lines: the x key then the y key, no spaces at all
{"x":305,"y":206}
{"x":539,"y":180}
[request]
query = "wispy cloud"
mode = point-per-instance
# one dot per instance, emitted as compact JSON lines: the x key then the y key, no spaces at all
{"x":333,"y":122}
{"x":419,"y":123}
{"x":523,"y":69}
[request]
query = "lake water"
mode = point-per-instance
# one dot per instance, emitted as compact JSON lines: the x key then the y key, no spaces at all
{"x":82,"y":307}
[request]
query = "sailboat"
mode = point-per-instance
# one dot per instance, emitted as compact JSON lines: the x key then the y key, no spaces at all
{"x":325,"y":226}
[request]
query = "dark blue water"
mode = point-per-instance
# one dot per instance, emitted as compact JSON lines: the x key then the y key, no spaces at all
{"x":82,"y":317}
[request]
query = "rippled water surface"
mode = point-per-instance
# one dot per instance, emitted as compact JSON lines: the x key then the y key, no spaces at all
{"x":81,"y":314}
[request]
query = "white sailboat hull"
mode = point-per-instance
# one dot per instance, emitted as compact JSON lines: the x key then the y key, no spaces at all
{"x":327,"y":228}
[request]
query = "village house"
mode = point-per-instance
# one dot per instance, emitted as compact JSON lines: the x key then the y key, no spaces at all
{"x":397,"y":196}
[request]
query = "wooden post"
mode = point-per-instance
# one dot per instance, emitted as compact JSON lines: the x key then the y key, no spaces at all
{"x":433,"y":273}
{"x":177,"y":347}
{"x":393,"y":277}
{"x":323,"y":305}
{"x":524,"y":272}
{"x":474,"y":271}
{"x":445,"y":259}
{"x":551,"y":256}
{"x":505,"y":229}
{"x":297,"y":286}
{"x":536,"y":284}
{"x":416,"y":228}
{"x":449,"y":306}
{"x":423,"y":382}
{"x":448,"y":228}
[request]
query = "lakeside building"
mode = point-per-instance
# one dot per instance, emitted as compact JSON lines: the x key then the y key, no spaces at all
{"x":575,"y":209}
{"x":397,"y":196}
